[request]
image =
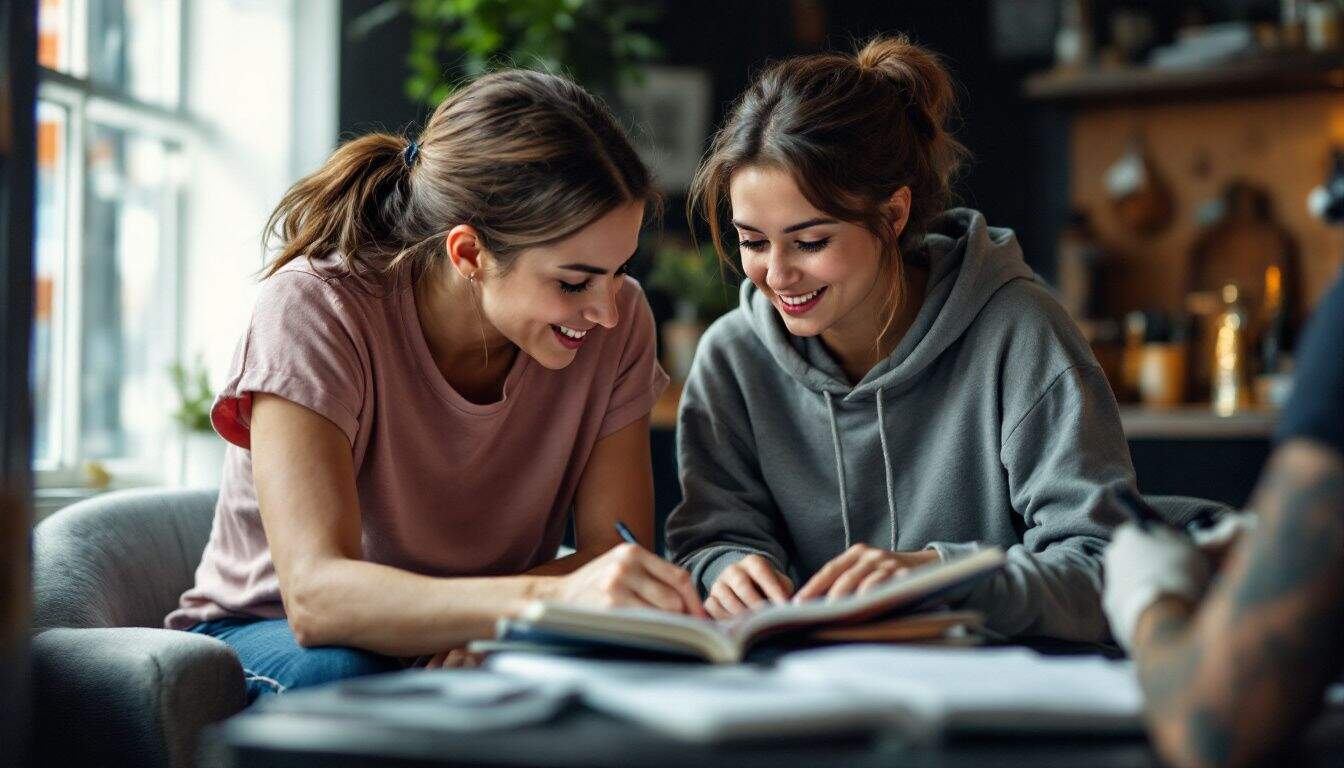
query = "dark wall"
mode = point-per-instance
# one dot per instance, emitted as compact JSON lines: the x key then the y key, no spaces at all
{"x":373,"y":70}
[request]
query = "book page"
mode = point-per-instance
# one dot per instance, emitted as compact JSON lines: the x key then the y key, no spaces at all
{"x":908,"y":591}
{"x":727,"y":640}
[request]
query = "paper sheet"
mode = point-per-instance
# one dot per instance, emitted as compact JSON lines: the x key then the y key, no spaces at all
{"x":982,"y":689}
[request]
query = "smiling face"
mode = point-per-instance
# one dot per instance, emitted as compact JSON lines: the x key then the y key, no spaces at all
{"x":824,"y":276}
{"x":552,"y":296}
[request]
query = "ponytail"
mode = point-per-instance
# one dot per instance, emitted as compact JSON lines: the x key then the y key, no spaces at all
{"x":526,"y":158}
{"x":349,"y":206}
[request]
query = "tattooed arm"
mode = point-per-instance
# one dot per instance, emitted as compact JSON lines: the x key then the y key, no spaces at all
{"x":1232,"y":680}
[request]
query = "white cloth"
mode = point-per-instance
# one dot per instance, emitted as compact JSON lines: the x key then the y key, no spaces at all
{"x":1226,"y":531}
{"x":1142,"y":566}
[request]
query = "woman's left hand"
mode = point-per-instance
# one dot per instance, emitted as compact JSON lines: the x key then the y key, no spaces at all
{"x":859,"y":569}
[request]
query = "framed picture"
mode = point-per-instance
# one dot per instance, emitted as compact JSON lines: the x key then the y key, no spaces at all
{"x":668,"y":115}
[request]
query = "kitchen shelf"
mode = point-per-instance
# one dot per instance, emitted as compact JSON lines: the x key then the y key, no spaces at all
{"x":1195,"y":422}
{"x":1259,"y":76}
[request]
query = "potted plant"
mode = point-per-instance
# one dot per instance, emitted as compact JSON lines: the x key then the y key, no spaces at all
{"x":596,"y":42}
{"x":700,"y":288}
{"x":202,"y":454}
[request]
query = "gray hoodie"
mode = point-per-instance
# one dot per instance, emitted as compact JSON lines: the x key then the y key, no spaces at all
{"x":990,"y":423}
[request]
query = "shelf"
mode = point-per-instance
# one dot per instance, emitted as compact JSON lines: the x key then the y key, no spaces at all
{"x":1195,"y":422}
{"x":1259,"y":76}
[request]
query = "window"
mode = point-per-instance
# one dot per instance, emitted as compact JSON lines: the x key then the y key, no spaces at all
{"x":111,"y":139}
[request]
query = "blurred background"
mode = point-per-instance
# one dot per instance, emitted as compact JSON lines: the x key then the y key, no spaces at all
{"x":1171,"y":167}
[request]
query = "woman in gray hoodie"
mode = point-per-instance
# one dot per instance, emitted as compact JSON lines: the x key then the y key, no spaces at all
{"x":897,"y":385}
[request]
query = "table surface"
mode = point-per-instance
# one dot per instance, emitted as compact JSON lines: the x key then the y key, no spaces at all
{"x":583,"y":737}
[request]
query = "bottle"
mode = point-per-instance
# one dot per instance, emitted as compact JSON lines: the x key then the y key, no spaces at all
{"x":1322,"y":21}
{"x":1326,"y":202}
{"x":1274,"y":342}
{"x":1073,"y":41}
{"x":1163,"y":361}
{"x":1231,"y":391}
{"x":1131,"y":367}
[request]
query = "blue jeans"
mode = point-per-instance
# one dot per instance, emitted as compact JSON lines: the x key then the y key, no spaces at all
{"x":273,"y":661}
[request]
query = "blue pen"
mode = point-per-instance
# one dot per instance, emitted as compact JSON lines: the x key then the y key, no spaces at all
{"x":630,"y":538}
{"x":625,"y":533}
{"x":1143,"y":515}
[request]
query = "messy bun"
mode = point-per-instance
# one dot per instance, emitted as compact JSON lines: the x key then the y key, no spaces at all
{"x":851,"y":130}
{"x":916,"y":72}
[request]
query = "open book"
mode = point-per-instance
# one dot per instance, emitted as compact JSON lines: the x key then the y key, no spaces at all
{"x":726,"y":642}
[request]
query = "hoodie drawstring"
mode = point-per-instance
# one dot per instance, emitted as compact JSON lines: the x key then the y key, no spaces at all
{"x":840,"y":468}
{"x":886,"y":468}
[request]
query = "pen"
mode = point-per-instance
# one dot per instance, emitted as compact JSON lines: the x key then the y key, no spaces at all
{"x":695,"y":608}
{"x":1143,"y":514}
{"x":626,"y":534}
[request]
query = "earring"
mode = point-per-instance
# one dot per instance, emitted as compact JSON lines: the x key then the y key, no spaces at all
{"x":471,"y":278}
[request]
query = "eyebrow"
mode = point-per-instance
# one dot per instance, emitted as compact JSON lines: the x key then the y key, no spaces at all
{"x":589,"y":268}
{"x":788,"y":229}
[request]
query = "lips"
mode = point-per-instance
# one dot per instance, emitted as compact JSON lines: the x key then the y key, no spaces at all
{"x":801,"y":304}
{"x":569,"y":338}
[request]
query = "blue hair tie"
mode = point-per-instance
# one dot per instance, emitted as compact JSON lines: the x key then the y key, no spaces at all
{"x":410,"y":153}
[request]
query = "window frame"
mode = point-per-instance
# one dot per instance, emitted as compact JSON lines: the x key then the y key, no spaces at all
{"x":85,"y":103}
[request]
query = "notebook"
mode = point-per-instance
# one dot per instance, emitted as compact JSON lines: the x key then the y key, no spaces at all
{"x":726,"y":642}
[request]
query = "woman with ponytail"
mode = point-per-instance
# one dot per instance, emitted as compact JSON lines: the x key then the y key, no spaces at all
{"x":446,"y":358}
{"x":897,"y":386}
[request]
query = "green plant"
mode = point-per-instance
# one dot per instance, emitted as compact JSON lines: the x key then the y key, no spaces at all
{"x":695,"y":279}
{"x":593,"y":41}
{"x":192,"y":384}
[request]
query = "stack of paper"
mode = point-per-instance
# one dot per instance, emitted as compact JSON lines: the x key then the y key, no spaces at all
{"x":981,"y":689}
{"x":924,"y":692}
{"x":707,"y":703}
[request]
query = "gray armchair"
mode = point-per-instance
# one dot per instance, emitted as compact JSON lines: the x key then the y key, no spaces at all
{"x":112,"y":686}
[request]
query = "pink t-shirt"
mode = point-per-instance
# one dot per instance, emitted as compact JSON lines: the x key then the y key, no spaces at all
{"x":446,"y":487}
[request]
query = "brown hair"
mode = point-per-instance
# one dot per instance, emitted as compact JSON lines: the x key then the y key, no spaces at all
{"x":851,"y":130}
{"x":524,"y":157}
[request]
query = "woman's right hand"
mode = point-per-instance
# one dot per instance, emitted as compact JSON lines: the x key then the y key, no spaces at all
{"x":750,"y":583}
{"x":629,"y":576}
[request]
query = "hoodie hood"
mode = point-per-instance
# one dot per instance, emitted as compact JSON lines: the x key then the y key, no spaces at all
{"x":968,"y":262}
